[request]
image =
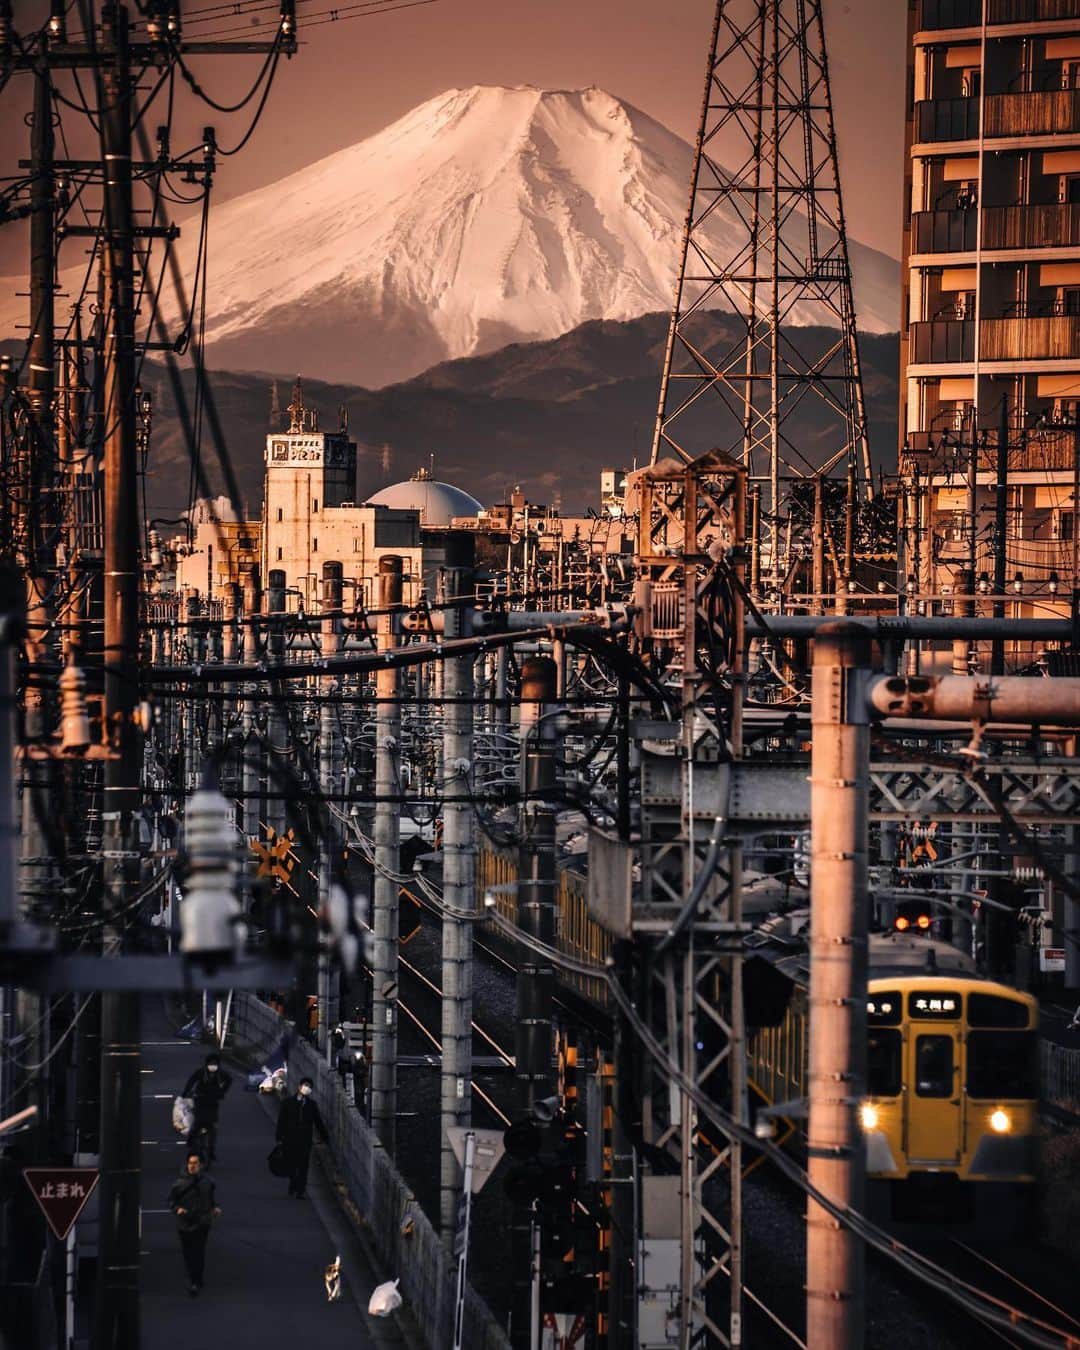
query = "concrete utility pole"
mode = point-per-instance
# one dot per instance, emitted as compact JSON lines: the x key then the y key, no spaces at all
{"x":278,"y":720}
{"x":117,"y":1315}
{"x":384,"y":973}
{"x":839,"y":796}
{"x":533,"y":1038}
{"x":1001,"y":533}
{"x":329,"y":781}
{"x":536,"y":882}
{"x":459,"y":878}
{"x":37,"y":884}
{"x":252,"y":753}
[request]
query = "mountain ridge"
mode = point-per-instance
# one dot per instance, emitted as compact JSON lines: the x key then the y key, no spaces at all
{"x":484,"y":216}
{"x":547,"y":416}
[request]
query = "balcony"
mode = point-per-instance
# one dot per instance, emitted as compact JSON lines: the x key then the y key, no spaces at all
{"x":1054,"y":225}
{"x":942,"y":340}
{"x":1044,"y":112}
{"x":944,"y":232}
{"x":950,"y":14}
{"x":1030,"y":11}
{"x":1055,"y":337}
{"x":948,"y":451}
{"x":937,"y":14}
{"x":947,"y":119}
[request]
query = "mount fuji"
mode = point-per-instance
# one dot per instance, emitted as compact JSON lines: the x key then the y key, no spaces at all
{"x":483,"y":217}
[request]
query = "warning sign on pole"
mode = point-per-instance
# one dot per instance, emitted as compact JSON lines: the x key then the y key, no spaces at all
{"x":61,"y":1192}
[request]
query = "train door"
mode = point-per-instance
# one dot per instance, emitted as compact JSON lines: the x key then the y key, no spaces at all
{"x":934,"y":1125}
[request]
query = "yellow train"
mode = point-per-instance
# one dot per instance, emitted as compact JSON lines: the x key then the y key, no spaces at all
{"x":951,"y":1114}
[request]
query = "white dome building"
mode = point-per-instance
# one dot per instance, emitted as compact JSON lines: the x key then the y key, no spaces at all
{"x":438,"y":503}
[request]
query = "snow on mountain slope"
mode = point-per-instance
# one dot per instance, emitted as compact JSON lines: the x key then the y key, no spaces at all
{"x":484,"y":216}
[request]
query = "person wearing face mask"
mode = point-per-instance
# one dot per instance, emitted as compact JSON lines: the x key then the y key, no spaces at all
{"x":193,"y":1200}
{"x":207,"y":1088}
{"x":298,"y":1120}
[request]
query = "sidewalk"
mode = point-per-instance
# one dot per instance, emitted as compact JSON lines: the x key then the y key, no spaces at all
{"x":267,"y":1253}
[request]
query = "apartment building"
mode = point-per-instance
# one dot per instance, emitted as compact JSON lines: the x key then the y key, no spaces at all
{"x":990,"y":339}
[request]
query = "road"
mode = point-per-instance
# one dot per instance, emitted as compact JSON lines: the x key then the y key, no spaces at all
{"x":267,"y":1253}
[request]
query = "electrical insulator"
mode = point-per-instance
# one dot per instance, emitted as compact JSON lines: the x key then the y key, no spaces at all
{"x":74,"y":718}
{"x":155,"y":548}
{"x":210,"y":908}
{"x":172,"y":19}
{"x":287,"y":26}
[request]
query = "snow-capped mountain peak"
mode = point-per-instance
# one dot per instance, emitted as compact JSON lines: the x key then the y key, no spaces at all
{"x":484,"y":216}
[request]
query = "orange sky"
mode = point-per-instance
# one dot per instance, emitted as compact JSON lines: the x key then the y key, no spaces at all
{"x":355,"y":76}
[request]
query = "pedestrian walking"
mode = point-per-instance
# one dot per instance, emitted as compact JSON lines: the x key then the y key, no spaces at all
{"x":192,"y":1199}
{"x":298,"y":1120}
{"x":207,"y":1088}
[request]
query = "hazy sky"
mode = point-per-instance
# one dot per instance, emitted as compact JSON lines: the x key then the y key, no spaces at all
{"x":354,"y":76}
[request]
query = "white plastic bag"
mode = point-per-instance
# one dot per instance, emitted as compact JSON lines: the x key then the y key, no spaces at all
{"x":276,"y":1082}
{"x":183,"y":1115}
{"x":384,"y":1300}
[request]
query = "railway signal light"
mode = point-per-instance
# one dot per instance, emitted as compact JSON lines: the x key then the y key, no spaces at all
{"x":912,"y":917}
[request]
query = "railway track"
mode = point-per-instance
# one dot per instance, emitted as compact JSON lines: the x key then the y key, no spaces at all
{"x":998,"y":1274}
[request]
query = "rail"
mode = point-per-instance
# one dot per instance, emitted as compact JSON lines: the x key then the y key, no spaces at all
{"x":403,"y":1239}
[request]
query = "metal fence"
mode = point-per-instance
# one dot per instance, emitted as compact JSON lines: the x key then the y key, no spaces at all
{"x":407,"y":1246}
{"x":1061,"y":1075}
{"x":256,"y":1024}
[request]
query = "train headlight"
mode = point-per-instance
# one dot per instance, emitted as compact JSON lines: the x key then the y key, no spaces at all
{"x":1000,"y":1121}
{"x":868,"y":1116}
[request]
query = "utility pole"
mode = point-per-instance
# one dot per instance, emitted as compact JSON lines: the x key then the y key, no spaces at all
{"x":36,"y":881}
{"x":384,"y":973}
{"x":329,"y":778}
{"x":117,"y":1315}
{"x":251,"y":772}
{"x":536,"y":908}
{"x":835,"y":1259}
{"x":817,"y":579}
{"x":459,"y":874}
{"x":278,"y":721}
{"x":1001,"y":526}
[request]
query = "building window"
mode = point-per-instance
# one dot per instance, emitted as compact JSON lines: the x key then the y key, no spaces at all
{"x":279,"y":555}
{"x":1065,"y":526}
{"x":315,"y":544}
{"x":280,"y":513}
{"x":314,"y":506}
{"x":355,"y":544}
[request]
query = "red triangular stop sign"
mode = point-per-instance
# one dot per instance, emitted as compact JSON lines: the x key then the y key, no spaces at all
{"x":61,"y":1192}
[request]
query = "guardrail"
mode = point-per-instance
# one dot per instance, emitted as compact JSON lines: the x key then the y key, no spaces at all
{"x":407,"y":1246}
{"x":1060,"y":1075}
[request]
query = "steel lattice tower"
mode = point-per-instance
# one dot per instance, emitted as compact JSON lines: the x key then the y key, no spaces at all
{"x":765,"y":240}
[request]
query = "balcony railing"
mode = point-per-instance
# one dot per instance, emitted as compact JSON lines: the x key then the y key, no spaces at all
{"x":968,"y":13}
{"x":1030,"y":11}
{"x":1030,"y":339}
{"x":1053,"y":225}
{"x":944,"y":231}
{"x":1034,"y":449}
{"x":942,"y":340}
{"x":947,"y":119}
{"x":1042,"y":112}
